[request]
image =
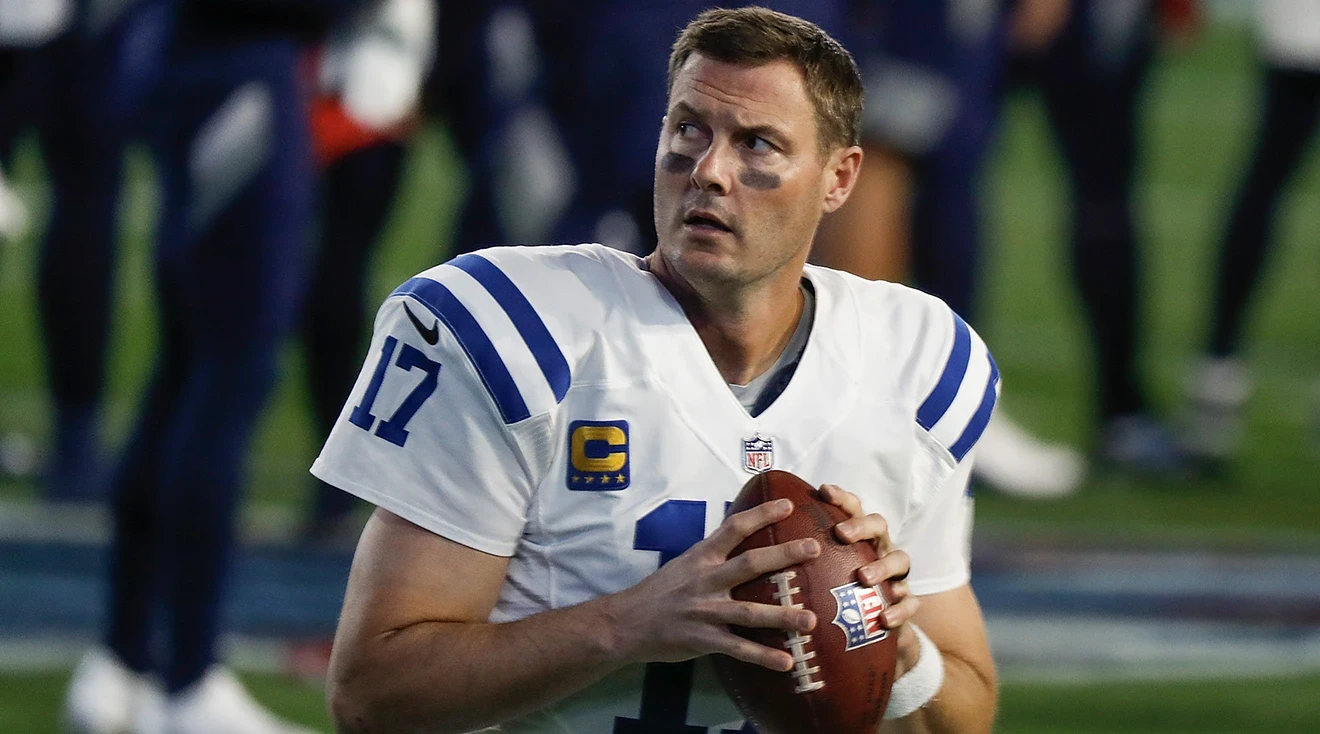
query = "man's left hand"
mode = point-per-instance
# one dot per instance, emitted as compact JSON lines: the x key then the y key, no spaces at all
{"x":891,"y":564}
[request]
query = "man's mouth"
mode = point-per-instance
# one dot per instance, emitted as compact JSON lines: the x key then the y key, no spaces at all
{"x":706,"y":220}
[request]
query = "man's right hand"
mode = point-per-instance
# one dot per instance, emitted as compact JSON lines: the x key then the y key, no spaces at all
{"x":684,"y":610}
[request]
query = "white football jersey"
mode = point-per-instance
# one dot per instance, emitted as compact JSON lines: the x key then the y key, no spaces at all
{"x":554,"y":405}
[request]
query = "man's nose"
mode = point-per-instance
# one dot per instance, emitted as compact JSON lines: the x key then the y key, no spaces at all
{"x":714,"y":169}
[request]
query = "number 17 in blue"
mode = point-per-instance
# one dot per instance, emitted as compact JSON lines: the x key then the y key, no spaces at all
{"x":393,"y":430}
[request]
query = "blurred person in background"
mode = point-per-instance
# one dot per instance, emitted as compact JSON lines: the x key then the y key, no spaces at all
{"x":490,"y":86}
{"x":26,"y":26}
{"x":1289,"y":36}
{"x":370,"y":77}
{"x":1090,"y":59}
{"x":932,"y":71}
{"x":82,"y":90}
{"x":229,"y":131}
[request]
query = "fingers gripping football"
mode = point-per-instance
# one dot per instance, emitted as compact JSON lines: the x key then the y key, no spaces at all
{"x":892,"y":565}
{"x":738,"y":526}
{"x":759,"y":561}
{"x":684,"y":609}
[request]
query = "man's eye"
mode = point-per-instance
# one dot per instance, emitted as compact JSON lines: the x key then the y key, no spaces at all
{"x":758,"y":144}
{"x":686,"y":128}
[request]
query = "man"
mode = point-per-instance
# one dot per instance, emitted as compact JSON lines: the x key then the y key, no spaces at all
{"x":1221,"y":384}
{"x":542,"y":427}
{"x":1091,"y":72}
{"x":80,"y":78}
{"x":234,"y":161}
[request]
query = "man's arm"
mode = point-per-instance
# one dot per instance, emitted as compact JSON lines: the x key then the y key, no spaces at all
{"x":414,"y":651}
{"x":413,"y":621}
{"x":967,"y":699}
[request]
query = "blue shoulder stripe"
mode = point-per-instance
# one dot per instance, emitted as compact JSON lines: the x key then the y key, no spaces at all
{"x":980,"y":419}
{"x":942,"y":395}
{"x":525,"y":319}
{"x":478,"y":347}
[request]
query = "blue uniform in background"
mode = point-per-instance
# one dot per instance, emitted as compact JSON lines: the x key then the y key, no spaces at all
{"x":83,"y":92}
{"x":1091,"y":79}
{"x":229,"y":132}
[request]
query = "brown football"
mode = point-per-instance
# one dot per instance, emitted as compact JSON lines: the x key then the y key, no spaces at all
{"x":843,"y":668}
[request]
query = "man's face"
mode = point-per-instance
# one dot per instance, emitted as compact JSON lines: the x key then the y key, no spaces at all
{"x":739,"y":176}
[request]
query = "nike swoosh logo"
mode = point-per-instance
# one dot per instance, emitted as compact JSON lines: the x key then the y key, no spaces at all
{"x":431,"y":335}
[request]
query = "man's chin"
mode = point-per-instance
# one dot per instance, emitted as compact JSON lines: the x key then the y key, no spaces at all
{"x":699,"y":266}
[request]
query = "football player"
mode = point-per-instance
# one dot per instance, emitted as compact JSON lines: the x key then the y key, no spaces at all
{"x":235,"y":165}
{"x":551,"y":436}
{"x":81,"y":84}
{"x":1091,"y":74}
{"x":1221,"y":385}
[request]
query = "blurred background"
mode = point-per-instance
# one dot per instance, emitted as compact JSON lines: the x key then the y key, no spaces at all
{"x":203,"y":201}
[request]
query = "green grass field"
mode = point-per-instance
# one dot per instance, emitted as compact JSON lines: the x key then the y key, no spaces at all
{"x":1278,"y":706}
{"x":1198,"y":128}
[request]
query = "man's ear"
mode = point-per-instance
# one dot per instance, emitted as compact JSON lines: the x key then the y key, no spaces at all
{"x":841,"y":172}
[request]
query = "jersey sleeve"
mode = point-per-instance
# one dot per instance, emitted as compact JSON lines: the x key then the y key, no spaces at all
{"x":448,"y":424}
{"x":957,"y":408}
{"x":964,"y":387}
{"x":937,"y":536}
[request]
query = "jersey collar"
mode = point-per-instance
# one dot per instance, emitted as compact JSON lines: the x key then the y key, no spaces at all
{"x":817,"y":397}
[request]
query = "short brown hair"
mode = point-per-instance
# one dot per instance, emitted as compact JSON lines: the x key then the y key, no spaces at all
{"x":756,"y":36}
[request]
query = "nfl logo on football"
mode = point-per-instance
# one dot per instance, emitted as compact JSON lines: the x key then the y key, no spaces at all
{"x":758,"y":454}
{"x":858,"y":614}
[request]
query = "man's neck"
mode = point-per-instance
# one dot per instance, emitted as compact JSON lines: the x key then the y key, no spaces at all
{"x":744,"y":331}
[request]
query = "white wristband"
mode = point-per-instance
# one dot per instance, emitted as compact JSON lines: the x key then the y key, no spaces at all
{"x":920,"y":684}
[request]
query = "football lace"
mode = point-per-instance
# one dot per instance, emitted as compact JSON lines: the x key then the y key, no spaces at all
{"x":797,"y":642}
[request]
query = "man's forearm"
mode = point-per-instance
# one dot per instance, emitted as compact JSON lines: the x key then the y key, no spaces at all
{"x":965,"y":704}
{"x":453,"y":676}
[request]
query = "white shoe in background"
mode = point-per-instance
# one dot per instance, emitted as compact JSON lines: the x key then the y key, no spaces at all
{"x":13,"y":213}
{"x":1217,"y":396}
{"x":30,"y":23}
{"x":149,"y":712}
{"x":218,"y":704}
{"x":1015,"y":463}
{"x":104,"y":694}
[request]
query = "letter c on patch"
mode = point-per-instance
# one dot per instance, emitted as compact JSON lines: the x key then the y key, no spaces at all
{"x":599,"y":448}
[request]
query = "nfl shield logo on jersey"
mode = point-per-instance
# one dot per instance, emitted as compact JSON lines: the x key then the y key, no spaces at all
{"x":758,"y":454}
{"x":859,"y":614}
